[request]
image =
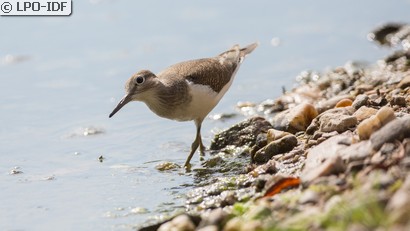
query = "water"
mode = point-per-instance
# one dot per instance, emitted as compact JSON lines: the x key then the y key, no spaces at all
{"x":71,"y":74}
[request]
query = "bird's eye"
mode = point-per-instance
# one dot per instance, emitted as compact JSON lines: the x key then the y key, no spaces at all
{"x":139,"y":80}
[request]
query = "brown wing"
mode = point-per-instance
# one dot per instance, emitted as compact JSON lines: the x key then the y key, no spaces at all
{"x":209,"y":72}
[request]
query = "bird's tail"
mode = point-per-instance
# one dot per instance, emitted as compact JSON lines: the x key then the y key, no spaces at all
{"x":237,"y":54}
{"x":248,"y":49}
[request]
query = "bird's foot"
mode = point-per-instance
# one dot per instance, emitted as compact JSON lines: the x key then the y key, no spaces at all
{"x":187,"y":167}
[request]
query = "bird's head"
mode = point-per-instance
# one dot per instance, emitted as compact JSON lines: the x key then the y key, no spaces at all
{"x":137,"y":88}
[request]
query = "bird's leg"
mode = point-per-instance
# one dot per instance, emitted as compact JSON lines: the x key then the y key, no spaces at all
{"x":194,"y":147}
{"x":197,"y":142}
{"x":202,"y":148}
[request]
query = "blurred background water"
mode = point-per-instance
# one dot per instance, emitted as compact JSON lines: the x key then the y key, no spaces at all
{"x":63,"y":75}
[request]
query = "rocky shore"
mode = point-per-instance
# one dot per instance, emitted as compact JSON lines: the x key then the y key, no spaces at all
{"x":333,"y":153}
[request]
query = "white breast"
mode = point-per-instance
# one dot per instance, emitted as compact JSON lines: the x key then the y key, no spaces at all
{"x":204,"y":99}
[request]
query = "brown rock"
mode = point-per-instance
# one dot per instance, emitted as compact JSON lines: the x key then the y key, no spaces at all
{"x":181,"y":222}
{"x":295,"y":119}
{"x":309,"y":196}
{"x":336,"y":119}
{"x":368,"y":126}
{"x":398,"y":100}
{"x":405,"y":82}
{"x":331,"y":103}
{"x":274,"y":134}
{"x":364,"y":112}
{"x":339,"y":123}
{"x":385,"y":115}
{"x":282,"y":145}
{"x":344,"y":103}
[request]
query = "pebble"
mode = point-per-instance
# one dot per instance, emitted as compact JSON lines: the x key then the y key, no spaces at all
{"x":282,"y":145}
{"x":361,"y":100}
{"x":368,"y":126}
{"x":331,"y":103}
{"x":309,"y":197}
{"x":397,"y":129}
{"x":268,"y":168}
{"x":228,"y":198}
{"x":209,"y":228}
{"x":274,"y":134}
{"x":364,"y":112}
{"x":295,"y":119}
{"x":344,"y":103}
{"x":261,"y":141}
{"x":377,"y":100}
{"x":336,"y":120}
{"x":385,"y":115}
{"x":237,"y":224}
{"x":405,"y":82}
{"x":398,"y":100}
{"x":179,"y":223}
{"x":212,"y":218}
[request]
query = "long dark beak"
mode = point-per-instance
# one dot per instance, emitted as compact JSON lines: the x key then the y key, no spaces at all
{"x":126,"y":99}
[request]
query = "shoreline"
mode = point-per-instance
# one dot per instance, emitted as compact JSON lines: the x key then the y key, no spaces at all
{"x":332,"y":153}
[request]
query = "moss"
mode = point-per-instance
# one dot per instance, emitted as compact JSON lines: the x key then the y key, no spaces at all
{"x":365,"y":210}
{"x":395,"y":186}
{"x":240,"y":208}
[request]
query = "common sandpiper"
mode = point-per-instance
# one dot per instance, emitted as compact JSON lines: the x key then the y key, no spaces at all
{"x":188,"y":90}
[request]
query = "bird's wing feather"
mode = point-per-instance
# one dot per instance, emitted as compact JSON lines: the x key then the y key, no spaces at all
{"x":209,"y":72}
{"x":214,"y":72}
